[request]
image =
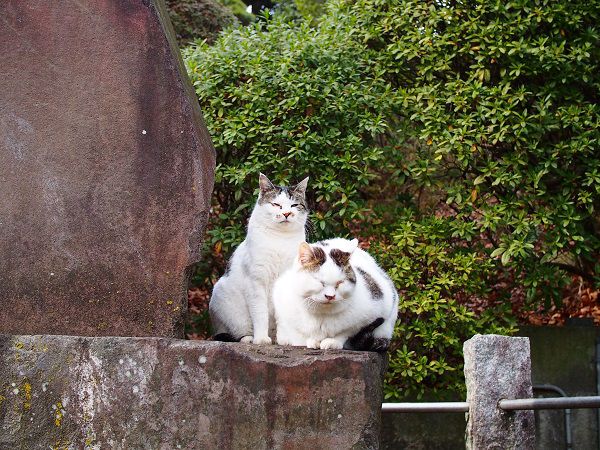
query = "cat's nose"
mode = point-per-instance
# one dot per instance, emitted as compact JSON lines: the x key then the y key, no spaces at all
{"x":287,"y":214}
{"x":330,"y":297}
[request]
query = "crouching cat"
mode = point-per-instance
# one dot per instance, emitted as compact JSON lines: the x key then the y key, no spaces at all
{"x":240,"y":306}
{"x":334,"y":294}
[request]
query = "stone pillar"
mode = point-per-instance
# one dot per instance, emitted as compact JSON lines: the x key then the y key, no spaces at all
{"x":498,"y":367}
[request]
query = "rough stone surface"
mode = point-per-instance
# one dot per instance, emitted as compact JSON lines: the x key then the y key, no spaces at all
{"x":498,"y":367}
{"x":106,"y":169}
{"x":156,"y":393}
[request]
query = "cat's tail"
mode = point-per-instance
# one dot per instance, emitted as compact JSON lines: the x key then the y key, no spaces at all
{"x":365,"y":341}
{"x":224,"y":337}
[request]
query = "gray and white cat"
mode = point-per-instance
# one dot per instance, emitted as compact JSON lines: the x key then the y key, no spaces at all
{"x":240,"y":307}
{"x":331,"y":295}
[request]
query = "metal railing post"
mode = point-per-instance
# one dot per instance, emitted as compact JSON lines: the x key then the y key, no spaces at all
{"x":566,"y":415}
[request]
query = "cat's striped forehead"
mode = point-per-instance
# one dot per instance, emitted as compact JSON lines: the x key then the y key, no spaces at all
{"x":327,"y":259}
{"x":277,"y":191}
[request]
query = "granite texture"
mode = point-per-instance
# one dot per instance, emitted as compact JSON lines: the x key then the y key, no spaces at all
{"x":106,"y":170}
{"x":498,"y":367}
{"x":157,"y":393}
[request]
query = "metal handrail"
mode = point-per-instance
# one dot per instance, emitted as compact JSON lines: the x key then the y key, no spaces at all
{"x":425,"y":407}
{"x":549,"y":403}
{"x":505,"y":404}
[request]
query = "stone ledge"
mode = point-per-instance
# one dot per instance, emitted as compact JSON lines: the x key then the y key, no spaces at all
{"x":158,"y":393}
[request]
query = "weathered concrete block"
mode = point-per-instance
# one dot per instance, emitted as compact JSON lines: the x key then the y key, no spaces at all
{"x":106,"y":170}
{"x":498,"y":367}
{"x":155,"y":393}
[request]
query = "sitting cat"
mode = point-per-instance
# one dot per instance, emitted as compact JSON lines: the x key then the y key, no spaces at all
{"x":240,"y":307}
{"x":335,"y":296}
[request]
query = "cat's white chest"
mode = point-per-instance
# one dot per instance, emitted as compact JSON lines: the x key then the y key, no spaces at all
{"x":275,"y":254}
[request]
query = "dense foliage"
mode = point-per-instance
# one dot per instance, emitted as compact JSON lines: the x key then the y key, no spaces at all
{"x":290,"y":102}
{"x":198,"y":19}
{"x":502,"y":98}
{"x":238,"y":8}
{"x":459,"y":139}
{"x":437,"y":278}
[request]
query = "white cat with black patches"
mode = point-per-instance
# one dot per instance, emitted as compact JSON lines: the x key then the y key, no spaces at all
{"x":240,"y":307}
{"x":333,"y":293}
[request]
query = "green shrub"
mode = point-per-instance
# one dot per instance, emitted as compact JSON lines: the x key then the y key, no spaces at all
{"x":238,"y":8}
{"x":310,"y":8}
{"x":436,"y":275}
{"x":481,"y":118}
{"x":501,"y":102}
{"x":198,"y":19}
{"x":290,"y":101}
{"x":306,"y":9}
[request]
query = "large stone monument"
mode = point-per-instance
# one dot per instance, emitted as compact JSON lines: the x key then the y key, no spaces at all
{"x":106,"y":170}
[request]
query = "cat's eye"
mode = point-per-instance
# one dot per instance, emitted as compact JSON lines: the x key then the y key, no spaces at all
{"x":297,"y":205}
{"x":337,"y":285}
{"x":276,"y":204}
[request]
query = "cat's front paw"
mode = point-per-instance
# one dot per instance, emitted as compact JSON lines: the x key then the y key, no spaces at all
{"x":312,"y":343}
{"x":263,"y":340}
{"x":331,"y":343}
{"x":247,"y":340}
{"x":283,"y":341}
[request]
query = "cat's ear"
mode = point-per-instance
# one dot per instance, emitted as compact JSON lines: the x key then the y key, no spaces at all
{"x":264,"y":183}
{"x":305,"y":254}
{"x":300,"y":188}
{"x":311,"y":258}
{"x":340,"y":257}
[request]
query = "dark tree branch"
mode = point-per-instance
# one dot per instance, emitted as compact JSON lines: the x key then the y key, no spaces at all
{"x":574,"y":270}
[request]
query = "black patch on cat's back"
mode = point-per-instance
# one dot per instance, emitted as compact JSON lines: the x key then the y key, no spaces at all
{"x":365,"y":341}
{"x":372,"y":285}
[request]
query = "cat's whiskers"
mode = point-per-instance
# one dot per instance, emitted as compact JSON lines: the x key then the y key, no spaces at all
{"x":313,"y":304}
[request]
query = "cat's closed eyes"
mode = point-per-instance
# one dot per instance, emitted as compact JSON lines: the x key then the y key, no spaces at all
{"x":335,"y":295}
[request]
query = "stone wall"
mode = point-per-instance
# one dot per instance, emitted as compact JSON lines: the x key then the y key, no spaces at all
{"x":154,"y":393}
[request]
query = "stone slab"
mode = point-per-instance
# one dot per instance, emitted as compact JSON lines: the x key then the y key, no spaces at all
{"x":498,"y":367}
{"x":156,"y":393}
{"x":106,"y":170}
